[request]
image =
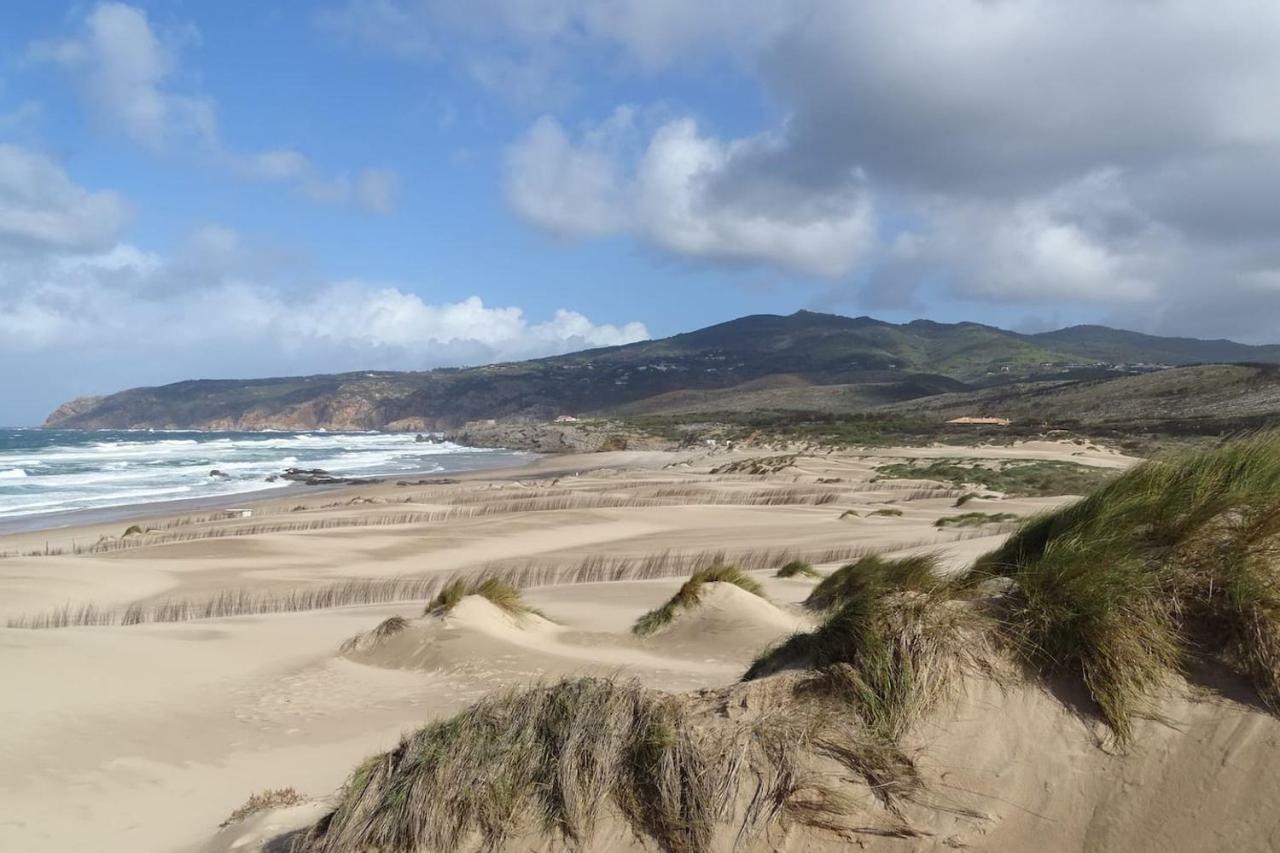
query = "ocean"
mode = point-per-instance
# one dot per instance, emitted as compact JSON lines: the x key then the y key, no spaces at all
{"x":59,"y":471}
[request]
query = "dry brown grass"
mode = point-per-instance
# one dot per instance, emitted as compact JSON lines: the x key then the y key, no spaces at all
{"x":263,"y":800}
{"x":521,"y":574}
{"x":555,"y":761}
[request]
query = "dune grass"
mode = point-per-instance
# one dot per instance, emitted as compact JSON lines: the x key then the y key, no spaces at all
{"x":798,"y":569}
{"x":522,"y":574}
{"x":555,"y":760}
{"x":1176,"y":561}
{"x":500,"y":593}
{"x":1011,"y":476}
{"x":870,"y":575}
{"x":975,"y":519}
{"x":272,"y":798}
{"x":894,"y":642}
{"x":688,"y":595}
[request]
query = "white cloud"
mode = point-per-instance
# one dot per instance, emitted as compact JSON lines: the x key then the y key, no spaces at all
{"x":123,"y":70}
{"x":128,"y":77}
{"x":204,"y":308}
{"x":969,"y":122}
{"x":680,"y":192}
{"x":41,"y":207}
{"x":570,"y":189}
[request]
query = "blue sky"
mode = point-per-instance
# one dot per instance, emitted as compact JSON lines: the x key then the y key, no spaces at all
{"x":236,"y":189}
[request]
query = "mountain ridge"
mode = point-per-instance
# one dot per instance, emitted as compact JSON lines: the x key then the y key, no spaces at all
{"x":806,"y":347}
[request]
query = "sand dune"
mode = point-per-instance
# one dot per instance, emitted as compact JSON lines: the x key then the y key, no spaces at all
{"x":146,"y":737}
{"x":726,"y":623}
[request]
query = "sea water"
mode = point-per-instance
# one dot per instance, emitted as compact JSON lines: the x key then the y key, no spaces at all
{"x":48,"y":471}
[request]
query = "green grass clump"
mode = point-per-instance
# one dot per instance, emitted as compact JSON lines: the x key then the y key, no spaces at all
{"x":689,"y":593}
{"x":1013,"y":477}
{"x":798,"y":569}
{"x":885,"y":513}
{"x":892,"y":646}
{"x":1175,"y":562}
{"x":552,"y":760}
{"x":873,"y":572}
{"x":500,"y":593}
{"x":975,"y":519}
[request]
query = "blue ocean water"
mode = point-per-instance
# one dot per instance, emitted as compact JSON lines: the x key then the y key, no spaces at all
{"x":43,"y":471}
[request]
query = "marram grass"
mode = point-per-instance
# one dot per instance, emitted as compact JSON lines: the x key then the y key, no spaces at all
{"x":894,"y":642}
{"x":689,"y":593}
{"x":555,"y":760}
{"x":1174,"y":562}
{"x":797,"y":569}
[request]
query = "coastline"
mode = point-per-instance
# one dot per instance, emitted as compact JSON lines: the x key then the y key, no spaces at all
{"x":66,"y":520}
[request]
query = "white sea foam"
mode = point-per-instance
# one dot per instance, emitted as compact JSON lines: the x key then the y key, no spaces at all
{"x":51,"y":471}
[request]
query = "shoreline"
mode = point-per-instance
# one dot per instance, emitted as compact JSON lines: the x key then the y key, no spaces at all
{"x":63,"y":521}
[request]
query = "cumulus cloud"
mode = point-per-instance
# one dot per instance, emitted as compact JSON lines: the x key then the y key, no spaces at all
{"x":40,"y":206}
{"x":86,"y":311}
{"x":128,"y":76}
{"x":687,"y":193}
{"x":204,"y":302}
{"x":1120,"y":155}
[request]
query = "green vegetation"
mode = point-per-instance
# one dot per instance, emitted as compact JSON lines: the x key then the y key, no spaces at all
{"x":893,"y":645}
{"x":1013,"y":477}
{"x":852,"y":429}
{"x":870,"y":576}
{"x":1175,"y":561}
{"x":885,"y":513}
{"x":975,"y":519}
{"x":554,"y":759}
{"x":1174,"y":565}
{"x":798,"y":569}
{"x":498,"y":592}
{"x":133,"y":530}
{"x":689,"y":593}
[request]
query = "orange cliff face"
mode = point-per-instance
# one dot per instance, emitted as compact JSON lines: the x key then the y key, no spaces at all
{"x":71,"y":409}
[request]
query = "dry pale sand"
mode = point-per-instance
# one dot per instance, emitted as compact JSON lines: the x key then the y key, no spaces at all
{"x":145,"y":737}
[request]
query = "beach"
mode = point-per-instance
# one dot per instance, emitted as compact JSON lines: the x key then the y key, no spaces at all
{"x":146,"y":736}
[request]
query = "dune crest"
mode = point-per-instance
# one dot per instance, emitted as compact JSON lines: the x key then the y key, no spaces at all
{"x":726,"y":618}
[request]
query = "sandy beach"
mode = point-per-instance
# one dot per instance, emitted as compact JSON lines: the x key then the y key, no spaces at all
{"x":147,"y":736}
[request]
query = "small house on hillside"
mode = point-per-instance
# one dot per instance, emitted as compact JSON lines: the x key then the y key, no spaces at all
{"x":972,"y":421}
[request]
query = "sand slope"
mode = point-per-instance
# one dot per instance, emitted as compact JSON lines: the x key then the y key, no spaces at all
{"x":145,"y":737}
{"x":727,"y":622}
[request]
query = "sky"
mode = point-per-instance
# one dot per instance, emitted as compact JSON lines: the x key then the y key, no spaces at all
{"x":237,"y":189}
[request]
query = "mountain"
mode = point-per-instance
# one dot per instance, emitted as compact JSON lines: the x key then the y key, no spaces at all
{"x":880,"y":362}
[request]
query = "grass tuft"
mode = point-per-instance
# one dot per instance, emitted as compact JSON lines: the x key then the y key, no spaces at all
{"x":553,"y":760}
{"x":500,"y":593}
{"x":798,"y":569}
{"x":894,"y":643}
{"x":688,"y":596}
{"x":872,"y":574}
{"x":269,"y":799}
{"x":975,"y":519}
{"x":1175,"y":562}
